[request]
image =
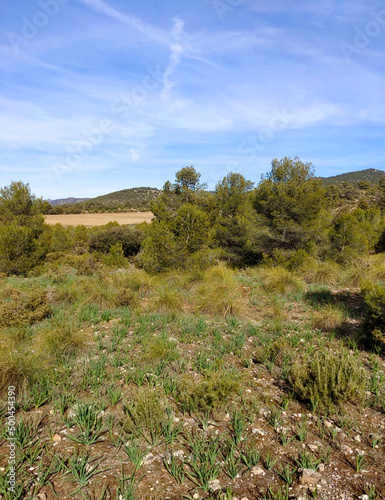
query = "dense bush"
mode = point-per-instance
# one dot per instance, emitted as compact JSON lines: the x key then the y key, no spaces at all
{"x":374,"y":296}
{"x":23,"y":242}
{"x":328,"y":379}
{"x":129,"y":237}
{"x":23,"y":308}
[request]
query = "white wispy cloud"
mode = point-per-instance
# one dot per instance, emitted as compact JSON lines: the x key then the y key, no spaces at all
{"x":128,"y":19}
{"x":175,"y":56}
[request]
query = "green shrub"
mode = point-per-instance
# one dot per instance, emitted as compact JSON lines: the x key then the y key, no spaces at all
{"x":328,"y":379}
{"x":23,"y":308}
{"x":280,"y":280}
{"x":167,"y":300}
{"x":62,"y":337}
{"x":147,"y":412}
{"x":319,"y":272}
{"x":129,"y":237}
{"x":213,"y":390}
{"x":19,"y":365}
{"x":374,"y":297}
{"x":219,"y":293}
{"x":329,"y":318}
{"x":159,"y":349}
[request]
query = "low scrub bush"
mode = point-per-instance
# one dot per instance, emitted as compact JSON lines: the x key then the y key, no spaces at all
{"x":61,"y":337}
{"x":319,"y":272}
{"x":352,"y":274}
{"x":19,"y":365}
{"x":328,"y":379}
{"x":219,"y":293}
{"x":147,"y":412}
{"x":159,"y":349}
{"x":215,"y":389}
{"x":329,"y":318}
{"x":166,"y":300}
{"x":374,"y":297}
{"x":136,"y":280}
{"x":282,"y":281}
{"x":23,"y":308}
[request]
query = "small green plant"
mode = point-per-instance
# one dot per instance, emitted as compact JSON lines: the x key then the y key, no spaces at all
{"x":239,"y":424}
{"x":282,"y":494}
{"x":251,"y":457}
{"x":170,"y":431}
{"x":284,"y":437}
{"x":275,"y":416}
{"x":88,"y":419}
{"x":307,"y":461}
{"x":127,"y":486}
{"x":201,"y":473}
{"x":41,"y":392}
{"x":24,"y":433}
{"x":371,"y":492}
{"x":302,"y":430}
{"x":287,"y":473}
{"x":233,"y":464}
{"x":115,"y":395}
{"x":5,"y":492}
{"x":375,"y":440}
{"x":62,"y":402}
{"x":175,"y":469}
{"x":286,"y":400}
{"x":82,"y":469}
{"x":134,"y":453}
{"x":269,"y":461}
{"x":359,"y":461}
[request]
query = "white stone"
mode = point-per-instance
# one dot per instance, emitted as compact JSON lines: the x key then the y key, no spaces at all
{"x":258,"y":431}
{"x":309,"y":476}
{"x":258,"y":471}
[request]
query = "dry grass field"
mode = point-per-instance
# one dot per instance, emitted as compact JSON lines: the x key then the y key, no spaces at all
{"x":99,"y":219}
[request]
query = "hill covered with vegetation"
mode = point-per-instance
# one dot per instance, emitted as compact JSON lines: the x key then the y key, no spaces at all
{"x":371,"y":175}
{"x":138,"y":198}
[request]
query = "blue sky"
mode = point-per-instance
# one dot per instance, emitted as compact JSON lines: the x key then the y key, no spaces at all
{"x":102,"y":95}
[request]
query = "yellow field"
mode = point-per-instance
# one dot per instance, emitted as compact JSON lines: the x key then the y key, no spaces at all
{"x":98,"y":219}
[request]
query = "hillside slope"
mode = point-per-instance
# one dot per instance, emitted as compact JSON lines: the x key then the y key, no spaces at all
{"x":370,"y":174}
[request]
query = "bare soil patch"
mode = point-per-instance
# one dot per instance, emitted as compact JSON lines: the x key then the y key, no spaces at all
{"x":98,"y":219}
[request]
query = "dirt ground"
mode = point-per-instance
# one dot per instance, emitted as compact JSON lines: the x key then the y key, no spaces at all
{"x":98,"y":219}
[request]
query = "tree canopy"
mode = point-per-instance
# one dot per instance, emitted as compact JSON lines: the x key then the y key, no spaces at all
{"x":291,"y":200}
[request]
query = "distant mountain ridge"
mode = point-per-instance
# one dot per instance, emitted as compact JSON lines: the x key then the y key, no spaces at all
{"x":65,"y":201}
{"x":370,"y":174}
